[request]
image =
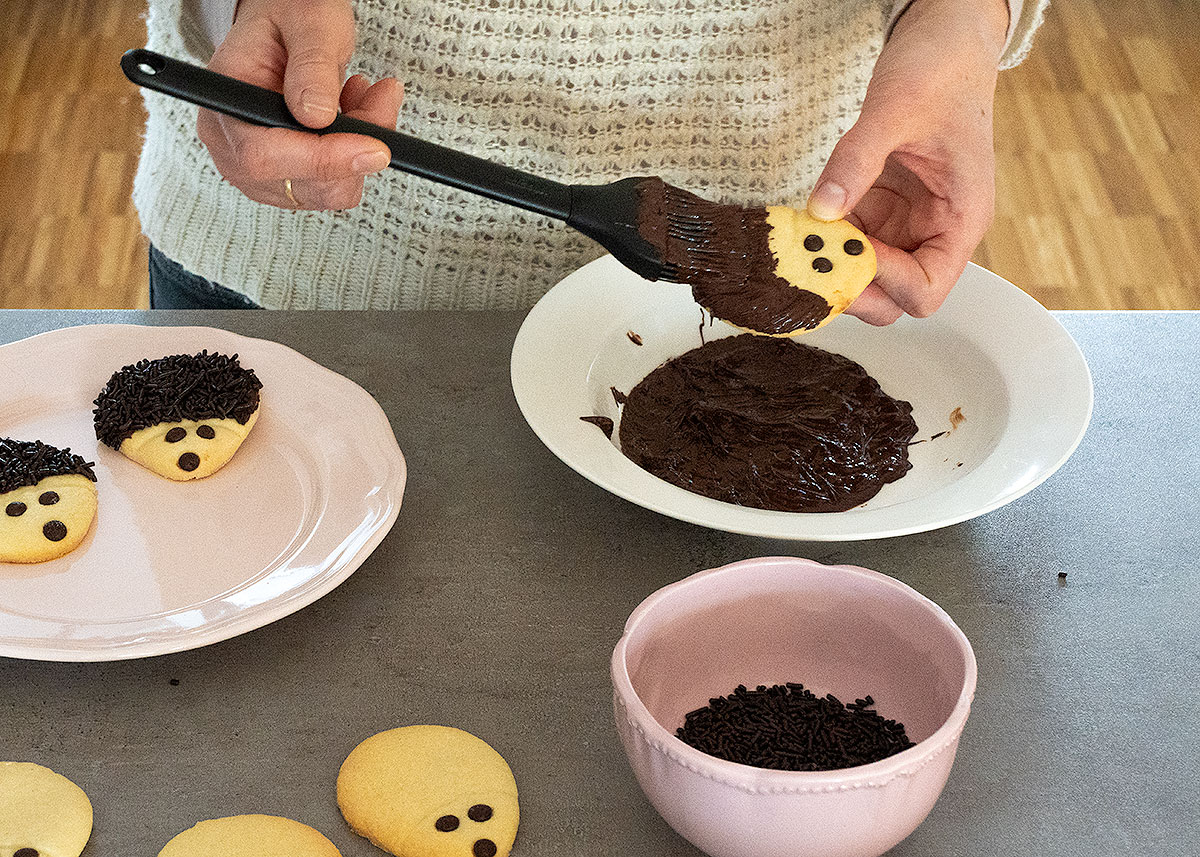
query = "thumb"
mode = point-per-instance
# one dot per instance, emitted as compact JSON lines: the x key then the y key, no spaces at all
{"x":855,"y":163}
{"x":319,"y":40}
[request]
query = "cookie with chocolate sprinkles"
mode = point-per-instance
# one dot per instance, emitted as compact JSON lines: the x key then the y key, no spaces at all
{"x":48,"y":500}
{"x":182,"y":417}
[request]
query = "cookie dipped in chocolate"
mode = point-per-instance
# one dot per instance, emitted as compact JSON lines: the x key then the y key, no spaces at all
{"x":768,"y":423}
{"x":774,"y":270}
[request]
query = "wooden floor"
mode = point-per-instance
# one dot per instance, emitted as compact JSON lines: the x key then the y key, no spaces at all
{"x":1097,"y":137}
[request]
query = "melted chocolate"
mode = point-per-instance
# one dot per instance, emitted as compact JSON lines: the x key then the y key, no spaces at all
{"x":603,"y":423}
{"x":722,"y":252}
{"x":768,"y":423}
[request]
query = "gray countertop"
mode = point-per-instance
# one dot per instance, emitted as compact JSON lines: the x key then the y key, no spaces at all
{"x":495,"y":602}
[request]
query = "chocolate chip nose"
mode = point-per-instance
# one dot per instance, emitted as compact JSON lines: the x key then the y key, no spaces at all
{"x":484,"y":848}
{"x":189,"y":461}
{"x":55,"y":531}
{"x":26,"y":852}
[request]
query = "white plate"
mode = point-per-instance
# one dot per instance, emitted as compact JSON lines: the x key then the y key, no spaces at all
{"x":991,"y":350}
{"x":170,"y":566}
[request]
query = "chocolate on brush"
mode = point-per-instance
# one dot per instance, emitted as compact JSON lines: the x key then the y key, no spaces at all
{"x":721,"y":251}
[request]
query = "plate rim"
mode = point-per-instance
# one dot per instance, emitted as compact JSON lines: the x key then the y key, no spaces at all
{"x":759,"y":522}
{"x":228,"y":627}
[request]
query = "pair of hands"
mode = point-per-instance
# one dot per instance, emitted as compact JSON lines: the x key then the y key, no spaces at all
{"x":915,"y":172}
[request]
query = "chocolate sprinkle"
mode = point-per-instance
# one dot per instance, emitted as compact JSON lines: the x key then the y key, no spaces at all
{"x":447,"y":823}
{"x":787,"y":727}
{"x":479,"y":812}
{"x":171,"y":389}
{"x":55,"y":531}
{"x":768,"y":423}
{"x":48,"y":498}
{"x":28,"y":462}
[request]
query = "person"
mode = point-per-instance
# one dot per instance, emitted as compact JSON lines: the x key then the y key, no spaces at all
{"x":877,"y":110}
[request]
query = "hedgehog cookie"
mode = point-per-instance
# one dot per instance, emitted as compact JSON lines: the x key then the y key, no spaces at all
{"x":430,"y":791}
{"x":47,"y":501}
{"x":832,"y":259}
{"x":250,"y":836}
{"x":42,"y":814}
{"x":183,"y":417}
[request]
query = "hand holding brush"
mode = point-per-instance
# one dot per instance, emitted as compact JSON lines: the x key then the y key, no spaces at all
{"x":775,"y":271}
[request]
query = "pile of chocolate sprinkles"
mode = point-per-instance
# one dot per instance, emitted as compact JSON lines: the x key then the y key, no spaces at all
{"x":786,"y":727}
{"x":28,"y":462}
{"x":181,"y":387}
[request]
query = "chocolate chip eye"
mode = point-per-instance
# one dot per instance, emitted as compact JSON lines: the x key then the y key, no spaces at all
{"x":206,"y":432}
{"x":55,"y":531}
{"x":822,"y":265}
{"x":189,"y":461}
{"x":48,"y":498}
{"x":26,"y":852}
{"x":813,"y":243}
{"x":447,"y":823}
{"x":484,"y":848}
{"x":853,"y":247}
{"x":15,"y":510}
{"x":176,"y":434}
{"x":479,"y":812}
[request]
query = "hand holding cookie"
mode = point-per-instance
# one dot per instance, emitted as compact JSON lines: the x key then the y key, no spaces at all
{"x":916,"y":171}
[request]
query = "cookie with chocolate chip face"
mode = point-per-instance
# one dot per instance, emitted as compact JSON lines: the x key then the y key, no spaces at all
{"x":832,"y":259}
{"x":250,"y":836}
{"x":430,"y":791}
{"x":48,"y":501}
{"x":182,"y":417}
{"x":42,"y":813}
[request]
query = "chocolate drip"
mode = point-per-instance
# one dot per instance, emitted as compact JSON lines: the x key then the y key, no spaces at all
{"x":768,"y":423}
{"x":28,"y":462}
{"x":605,"y":424}
{"x":722,"y":252}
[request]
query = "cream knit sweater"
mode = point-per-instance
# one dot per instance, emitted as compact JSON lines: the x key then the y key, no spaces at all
{"x":738,"y":100}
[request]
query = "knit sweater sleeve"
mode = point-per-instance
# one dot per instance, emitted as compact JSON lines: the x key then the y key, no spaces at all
{"x":1024,"y":17}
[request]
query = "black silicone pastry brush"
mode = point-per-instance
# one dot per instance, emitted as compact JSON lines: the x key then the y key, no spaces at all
{"x":737,"y":260}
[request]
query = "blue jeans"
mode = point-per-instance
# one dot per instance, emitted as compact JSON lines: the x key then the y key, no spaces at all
{"x":174,"y":287}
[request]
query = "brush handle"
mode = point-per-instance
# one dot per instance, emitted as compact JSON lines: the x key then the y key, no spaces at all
{"x":260,"y":106}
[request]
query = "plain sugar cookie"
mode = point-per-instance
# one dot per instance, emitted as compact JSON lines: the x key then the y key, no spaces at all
{"x":42,"y":814}
{"x":430,"y":791}
{"x":47,"y":501}
{"x":250,"y":836}
{"x":182,"y":417}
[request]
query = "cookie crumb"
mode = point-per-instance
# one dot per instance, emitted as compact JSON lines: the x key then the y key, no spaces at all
{"x":633,"y":337}
{"x":1062,"y":578}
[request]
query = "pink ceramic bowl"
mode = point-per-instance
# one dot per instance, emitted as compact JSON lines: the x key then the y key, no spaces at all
{"x":836,"y":629}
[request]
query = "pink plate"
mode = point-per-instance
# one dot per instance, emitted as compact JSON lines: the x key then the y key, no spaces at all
{"x":171,"y":566}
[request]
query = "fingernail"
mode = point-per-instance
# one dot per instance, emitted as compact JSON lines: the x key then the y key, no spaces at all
{"x":319,"y":108}
{"x":371,"y":162}
{"x":828,"y":201}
